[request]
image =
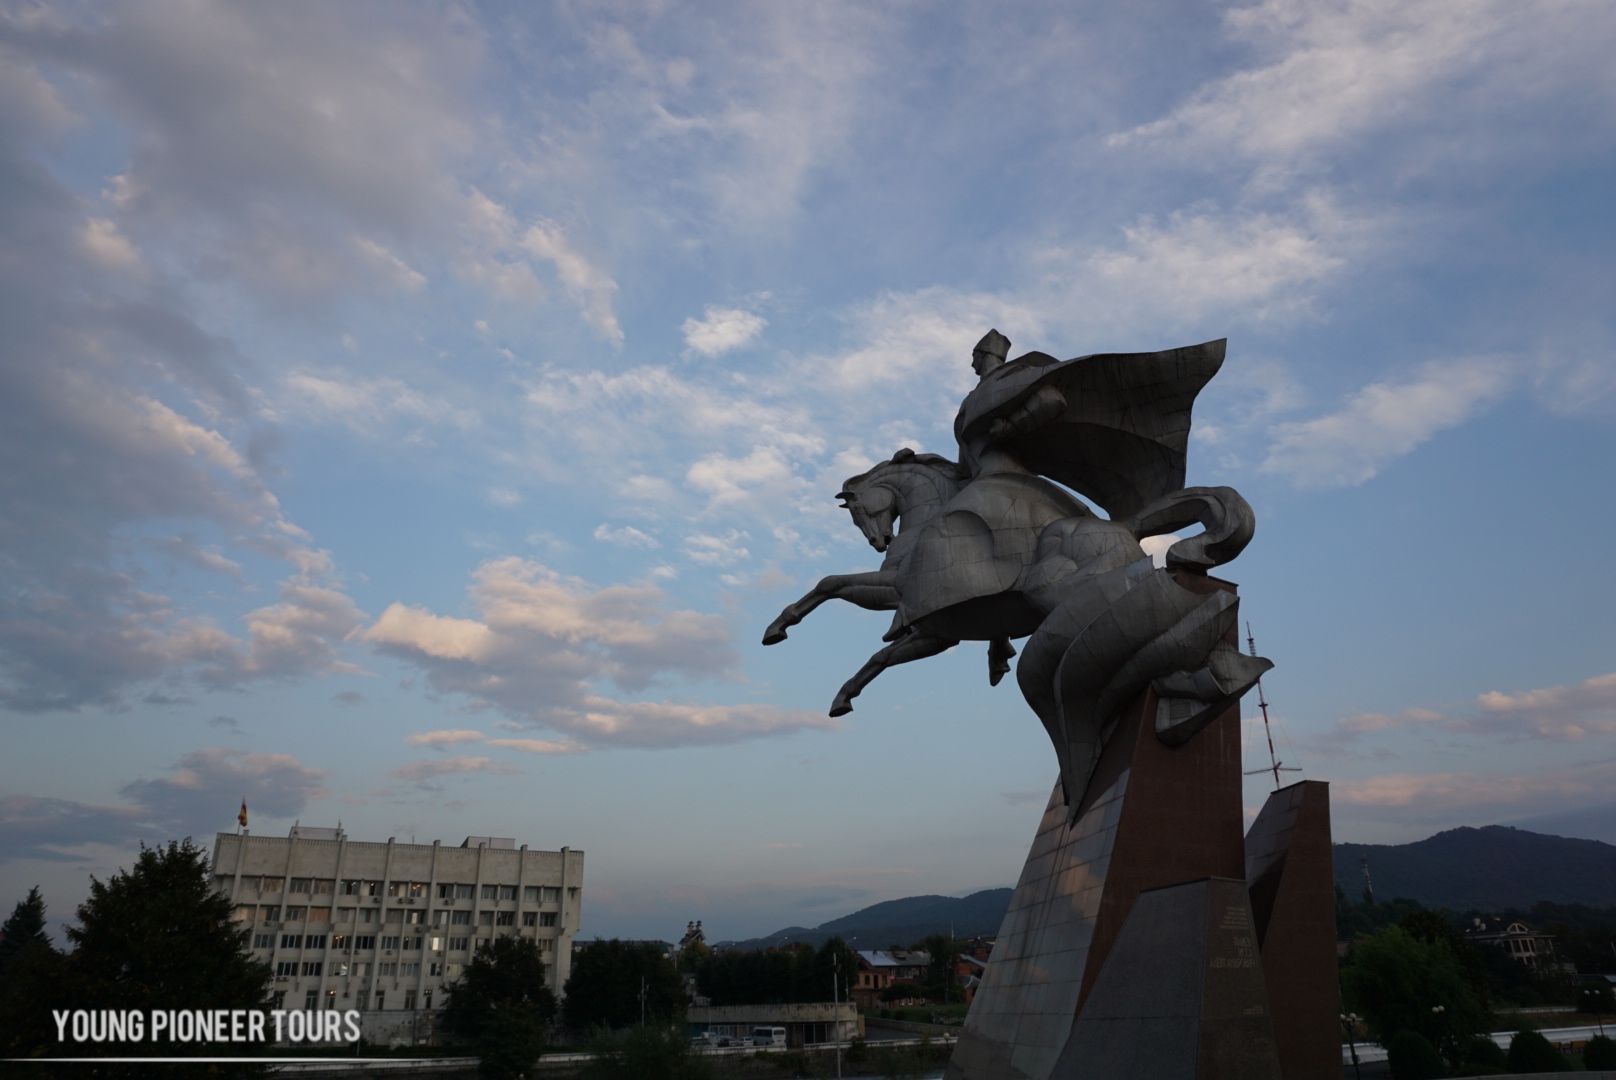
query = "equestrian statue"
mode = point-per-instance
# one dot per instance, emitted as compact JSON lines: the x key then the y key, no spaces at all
{"x":994,"y":547}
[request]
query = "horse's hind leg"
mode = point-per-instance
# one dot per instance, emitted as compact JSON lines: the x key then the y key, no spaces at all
{"x":873,"y":591}
{"x":913,"y":646}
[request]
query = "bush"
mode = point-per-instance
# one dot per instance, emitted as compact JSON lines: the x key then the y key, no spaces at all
{"x":653,"y":1052}
{"x":1530,"y":1052}
{"x":1482,"y":1052}
{"x":1600,"y":1053}
{"x":1412,"y":1057}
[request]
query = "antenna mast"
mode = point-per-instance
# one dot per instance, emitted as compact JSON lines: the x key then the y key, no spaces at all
{"x":1275,"y":765}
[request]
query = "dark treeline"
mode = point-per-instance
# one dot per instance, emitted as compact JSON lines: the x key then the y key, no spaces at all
{"x":795,"y":974}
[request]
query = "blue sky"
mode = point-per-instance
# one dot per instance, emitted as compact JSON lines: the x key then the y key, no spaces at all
{"x":412,"y":415}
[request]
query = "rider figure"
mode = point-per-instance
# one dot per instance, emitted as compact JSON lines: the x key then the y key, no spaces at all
{"x":1001,"y":407}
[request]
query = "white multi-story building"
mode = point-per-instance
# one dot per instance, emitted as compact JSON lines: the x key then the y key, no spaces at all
{"x":368,"y":926}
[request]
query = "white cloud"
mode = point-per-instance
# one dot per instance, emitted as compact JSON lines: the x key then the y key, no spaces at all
{"x":1555,"y":712}
{"x":625,"y":536}
{"x":423,"y":772}
{"x":544,"y":641}
{"x":721,"y":330}
{"x":450,"y":737}
{"x":1382,"y":422}
{"x":540,"y":746}
{"x":1474,"y":796}
{"x":368,"y":403}
{"x":723,"y":550}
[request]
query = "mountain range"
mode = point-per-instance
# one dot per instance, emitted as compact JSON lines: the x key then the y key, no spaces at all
{"x":1488,"y":869}
{"x":900,"y":922}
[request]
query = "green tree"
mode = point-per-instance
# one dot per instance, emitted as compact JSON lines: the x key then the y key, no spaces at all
{"x":503,"y":1005}
{"x":32,"y":979}
{"x":1412,"y":1057}
{"x":941,"y":985}
{"x":25,"y":927}
{"x":606,"y":981}
{"x":836,"y":958}
{"x":1397,"y":981}
{"x":158,"y":937}
{"x":1600,"y":1053}
{"x":1530,"y":1052}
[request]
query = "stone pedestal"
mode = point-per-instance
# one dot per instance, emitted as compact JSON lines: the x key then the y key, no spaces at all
{"x":1155,"y":815}
{"x":1181,"y":996}
{"x":1288,"y":870}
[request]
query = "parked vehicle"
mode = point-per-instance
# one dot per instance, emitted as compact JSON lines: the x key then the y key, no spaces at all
{"x":768,"y":1036}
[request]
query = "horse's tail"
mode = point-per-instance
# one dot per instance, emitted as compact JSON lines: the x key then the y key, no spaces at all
{"x":1226,"y":517}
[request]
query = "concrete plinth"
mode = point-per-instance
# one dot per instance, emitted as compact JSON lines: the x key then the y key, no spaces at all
{"x":1181,"y":996}
{"x":1288,"y":871}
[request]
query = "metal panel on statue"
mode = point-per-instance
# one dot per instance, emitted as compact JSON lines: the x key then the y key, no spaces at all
{"x":1181,"y":996}
{"x":1288,"y":871}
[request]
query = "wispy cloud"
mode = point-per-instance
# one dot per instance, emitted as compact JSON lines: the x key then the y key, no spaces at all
{"x":1381,"y":423}
{"x":443,"y":738}
{"x":424,"y":772}
{"x":721,"y":330}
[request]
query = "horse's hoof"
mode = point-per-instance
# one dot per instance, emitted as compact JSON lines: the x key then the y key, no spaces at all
{"x":774,"y":637}
{"x":841,"y":707}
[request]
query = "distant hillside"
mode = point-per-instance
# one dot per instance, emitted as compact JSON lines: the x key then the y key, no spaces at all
{"x":1492,"y":868}
{"x":901,"y":922}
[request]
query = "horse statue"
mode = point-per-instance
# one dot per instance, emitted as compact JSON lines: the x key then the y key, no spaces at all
{"x":1007,"y":553}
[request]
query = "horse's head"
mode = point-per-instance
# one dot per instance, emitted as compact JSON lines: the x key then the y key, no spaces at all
{"x":903,"y":485}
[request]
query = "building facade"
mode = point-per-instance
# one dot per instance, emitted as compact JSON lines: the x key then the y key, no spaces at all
{"x":379,"y":927}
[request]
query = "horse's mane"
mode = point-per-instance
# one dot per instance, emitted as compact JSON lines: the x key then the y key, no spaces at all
{"x":907,"y":456}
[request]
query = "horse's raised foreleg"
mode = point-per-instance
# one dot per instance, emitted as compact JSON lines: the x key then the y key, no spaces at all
{"x":874,"y":591}
{"x":912,"y":646}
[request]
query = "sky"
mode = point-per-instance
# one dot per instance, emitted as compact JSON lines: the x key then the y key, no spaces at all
{"x":412,"y":414}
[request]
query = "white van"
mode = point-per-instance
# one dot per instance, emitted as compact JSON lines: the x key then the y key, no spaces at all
{"x":768,"y":1036}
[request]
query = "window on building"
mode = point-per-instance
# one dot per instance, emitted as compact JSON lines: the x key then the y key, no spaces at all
{"x":278,"y":1000}
{"x":314,"y":941}
{"x":350,"y":886}
{"x":331,"y":999}
{"x":412,"y":944}
{"x":440,"y":917}
{"x":367,"y":914}
{"x":291,"y":941}
{"x":296,"y":914}
{"x":397,"y":888}
{"x":310,"y":998}
{"x":418,"y":889}
{"x":311,"y":967}
{"x":485,"y":918}
{"x":460,"y":918}
{"x":301,"y":885}
{"x":386,"y":968}
{"x":345,"y":914}
{"x":530,"y":918}
{"x":547,"y":918}
{"x":434,"y":970}
{"x":395,"y":915}
{"x":371,"y":888}
{"x":263,"y":941}
{"x":530,"y":894}
{"x":458,"y":944}
{"x":409,"y":999}
{"x":415,"y":917}
{"x":446,"y":890}
{"x":339,"y":967}
{"x":552,"y":895}
{"x":362,"y":970}
{"x":484,"y":942}
{"x":284,"y":968}
{"x":490,"y":892}
{"x":507,"y":892}
{"x":224,"y":883}
{"x":546,"y":944}
{"x":245,"y":912}
{"x":269,"y":914}
{"x":505,"y":918}
{"x":426,"y":1002}
{"x":319,"y":914}
{"x":273,"y":884}
{"x":464,"y":892}
{"x":341,"y":941}
{"x":381,"y":998}
{"x":405,"y":970}
{"x":324,"y":885}
{"x":364,"y":941}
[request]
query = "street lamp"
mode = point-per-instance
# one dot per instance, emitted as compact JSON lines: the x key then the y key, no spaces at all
{"x":1350,"y":1021}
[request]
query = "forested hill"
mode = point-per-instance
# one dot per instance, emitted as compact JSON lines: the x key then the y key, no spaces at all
{"x":1490,"y":869}
{"x":901,"y":922}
